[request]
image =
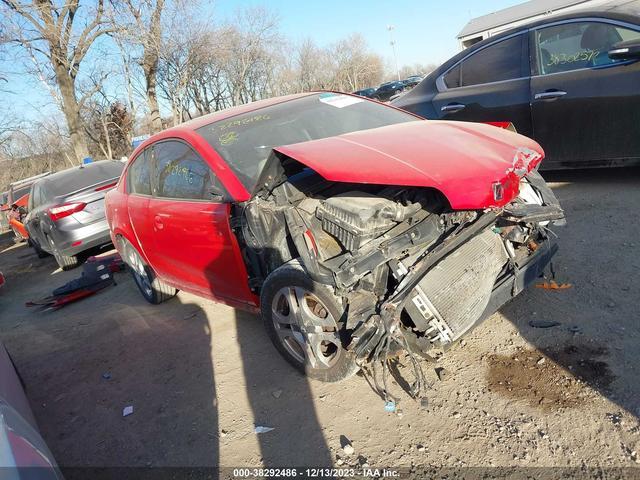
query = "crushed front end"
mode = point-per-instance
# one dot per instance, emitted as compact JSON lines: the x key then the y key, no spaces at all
{"x":413,"y":273}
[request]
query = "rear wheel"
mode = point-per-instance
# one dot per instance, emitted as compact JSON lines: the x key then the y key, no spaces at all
{"x":302,"y":318}
{"x":41,"y":253}
{"x":152,"y":288}
{"x":65,"y":262}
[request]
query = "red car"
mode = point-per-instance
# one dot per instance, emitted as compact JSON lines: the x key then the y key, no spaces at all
{"x":357,"y":229}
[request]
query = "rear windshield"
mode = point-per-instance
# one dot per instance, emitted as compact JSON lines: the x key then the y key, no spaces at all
{"x":245,"y":141}
{"x":65,"y":182}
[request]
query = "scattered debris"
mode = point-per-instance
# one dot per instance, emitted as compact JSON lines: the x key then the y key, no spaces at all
{"x":615,"y":418}
{"x":540,"y":361}
{"x":260,"y":429}
{"x":223,"y":433}
{"x":276,"y":393}
{"x":456,"y":415}
{"x":574,"y":329}
{"x":106,"y":376}
{"x":553,"y":285}
{"x":543,"y":323}
{"x":390,"y":406}
{"x":346,"y":445}
{"x":128,"y":410}
{"x":442,"y":373}
{"x":97,"y":273}
{"x":421,"y":448}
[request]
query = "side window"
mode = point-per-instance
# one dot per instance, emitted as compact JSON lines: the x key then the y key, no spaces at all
{"x":452,"y":78}
{"x":572,"y":46}
{"x":181,"y":173}
{"x":500,"y":61}
{"x":139,"y":174}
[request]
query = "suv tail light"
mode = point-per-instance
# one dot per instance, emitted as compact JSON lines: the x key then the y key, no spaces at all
{"x":64,"y":210}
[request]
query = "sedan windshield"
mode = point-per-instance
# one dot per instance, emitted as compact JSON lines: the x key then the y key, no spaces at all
{"x":245,"y":141}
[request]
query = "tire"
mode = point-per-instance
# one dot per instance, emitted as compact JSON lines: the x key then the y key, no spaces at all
{"x":65,"y":262}
{"x":289,"y":328}
{"x":154,"y":290}
{"x":41,"y":253}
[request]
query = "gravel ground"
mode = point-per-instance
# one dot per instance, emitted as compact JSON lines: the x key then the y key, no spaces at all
{"x":201,"y":376}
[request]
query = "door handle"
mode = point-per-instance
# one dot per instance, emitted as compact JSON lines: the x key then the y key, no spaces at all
{"x":549,"y":95}
{"x":157,"y":221}
{"x":453,"y":107}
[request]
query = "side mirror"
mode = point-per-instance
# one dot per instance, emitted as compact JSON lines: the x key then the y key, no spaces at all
{"x":629,"y":50}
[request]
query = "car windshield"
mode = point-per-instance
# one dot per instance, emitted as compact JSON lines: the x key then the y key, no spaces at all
{"x":245,"y":141}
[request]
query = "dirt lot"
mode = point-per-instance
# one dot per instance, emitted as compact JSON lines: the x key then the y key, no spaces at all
{"x":200,"y":376}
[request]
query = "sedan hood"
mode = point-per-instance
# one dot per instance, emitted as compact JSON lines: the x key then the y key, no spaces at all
{"x":474,"y":165}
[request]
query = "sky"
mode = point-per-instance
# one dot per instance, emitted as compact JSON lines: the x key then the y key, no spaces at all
{"x":424,"y":32}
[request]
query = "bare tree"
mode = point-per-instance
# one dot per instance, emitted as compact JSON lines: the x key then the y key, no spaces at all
{"x":47,"y":32}
{"x":251,"y":40}
{"x":313,"y":67}
{"x":355,"y":67}
{"x":142,"y":27}
{"x":415,"y":69}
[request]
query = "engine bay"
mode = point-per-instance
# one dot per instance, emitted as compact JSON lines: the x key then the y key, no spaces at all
{"x":367,"y":242}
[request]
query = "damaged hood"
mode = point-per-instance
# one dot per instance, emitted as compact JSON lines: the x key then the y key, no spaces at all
{"x":474,"y":165}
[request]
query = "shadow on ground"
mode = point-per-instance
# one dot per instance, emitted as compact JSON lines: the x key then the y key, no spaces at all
{"x":596,"y":339}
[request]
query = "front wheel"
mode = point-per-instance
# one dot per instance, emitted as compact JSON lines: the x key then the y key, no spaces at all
{"x":153,"y":289}
{"x":302,"y":318}
{"x":65,"y":262}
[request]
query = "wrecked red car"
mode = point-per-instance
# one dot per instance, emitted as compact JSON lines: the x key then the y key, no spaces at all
{"x":358,"y":230}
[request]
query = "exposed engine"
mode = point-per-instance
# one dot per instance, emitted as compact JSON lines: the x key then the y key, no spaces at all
{"x":411,"y":271}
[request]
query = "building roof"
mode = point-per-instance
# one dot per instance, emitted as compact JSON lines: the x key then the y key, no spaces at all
{"x":513,"y":14}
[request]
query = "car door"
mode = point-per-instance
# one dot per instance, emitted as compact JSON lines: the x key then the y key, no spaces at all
{"x":194,"y":247}
{"x":139,"y":192}
{"x":585,"y":106}
{"x":491,"y":84}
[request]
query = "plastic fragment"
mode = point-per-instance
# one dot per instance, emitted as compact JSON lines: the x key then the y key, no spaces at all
{"x":543,"y":323}
{"x":390,"y":406}
{"x":128,"y":410}
{"x":553,"y":285}
{"x":260,"y":429}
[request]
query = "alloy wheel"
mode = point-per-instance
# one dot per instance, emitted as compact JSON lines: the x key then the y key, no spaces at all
{"x":305,"y":327}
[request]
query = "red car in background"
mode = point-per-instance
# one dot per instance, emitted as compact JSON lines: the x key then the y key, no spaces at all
{"x":356,"y":228}
{"x":16,"y":216}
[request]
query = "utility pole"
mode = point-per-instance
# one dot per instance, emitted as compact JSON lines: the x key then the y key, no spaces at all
{"x":392,"y":42}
